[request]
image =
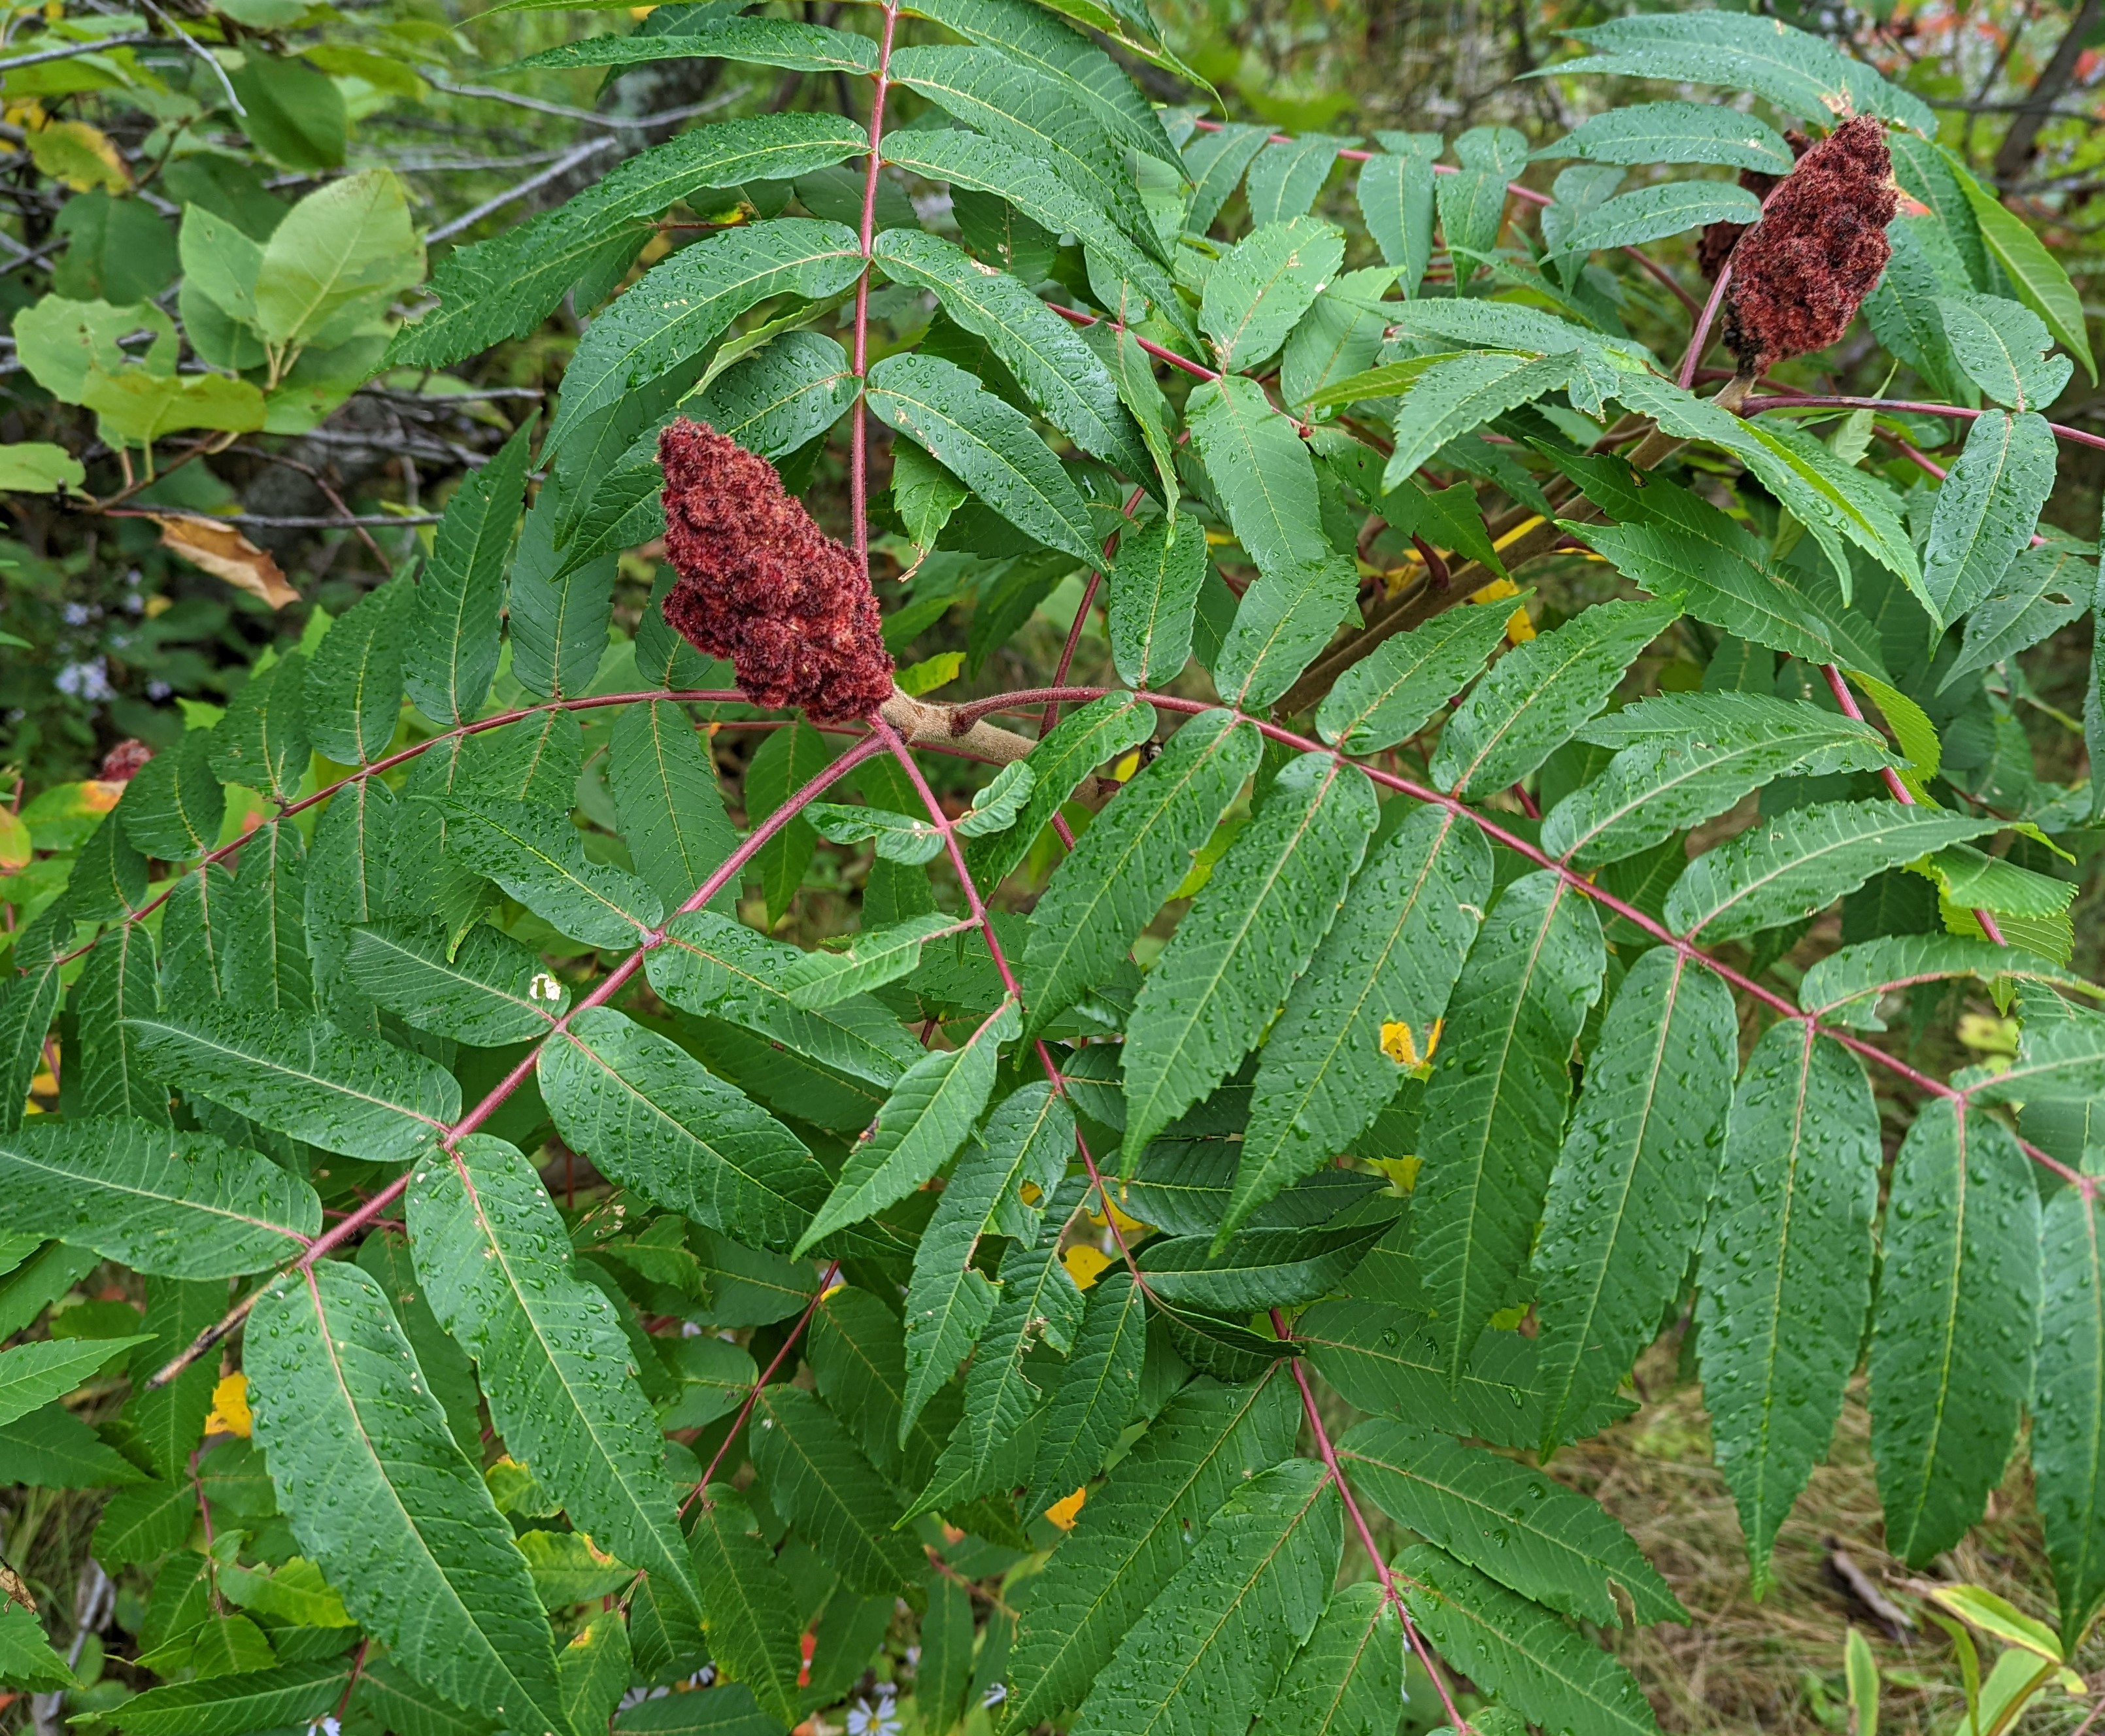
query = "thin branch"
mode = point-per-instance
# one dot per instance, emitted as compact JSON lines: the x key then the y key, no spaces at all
{"x":555,"y":171}
{"x":752,"y":1398}
{"x":1909,"y":406}
{"x":858,"y":416}
{"x":71,"y":50}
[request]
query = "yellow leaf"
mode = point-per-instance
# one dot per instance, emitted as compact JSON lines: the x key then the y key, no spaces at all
{"x":225,"y":553}
{"x":1128,"y":1225}
{"x":81,"y":156}
{"x":15,"y":851}
{"x":1063,"y":1512}
{"x":230,"y":1408}
{"x":1085,"y":1264}
{"x":1403,"y":1171}
{"x":1401,"y":1045}
{"x":1519,"y":629}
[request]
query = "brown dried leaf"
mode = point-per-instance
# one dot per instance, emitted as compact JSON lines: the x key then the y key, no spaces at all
{"x":225,"y":553}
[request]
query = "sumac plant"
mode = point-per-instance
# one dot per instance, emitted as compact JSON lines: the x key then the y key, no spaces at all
{"x":1130,"y":1277}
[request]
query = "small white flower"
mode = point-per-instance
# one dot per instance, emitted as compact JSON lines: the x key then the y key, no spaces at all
{"x":880,"y":1720}
{"x":544,"y":986}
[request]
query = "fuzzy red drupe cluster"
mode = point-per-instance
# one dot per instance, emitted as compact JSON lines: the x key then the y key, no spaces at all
{"x":761,"y":584}
{"x":1800,"y":274}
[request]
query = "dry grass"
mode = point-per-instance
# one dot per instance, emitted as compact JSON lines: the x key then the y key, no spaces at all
{"x":1776,"y":1666}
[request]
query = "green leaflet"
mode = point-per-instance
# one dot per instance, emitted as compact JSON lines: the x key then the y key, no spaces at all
{"x":493,"y":1256}
{"x":2002,"y":347}
{"x":449,"y":655}
{"x":1986,"y":509}
{"x":1801,"y":73}
{"x":267,"y":968}
{"x":558,"y":602}
{"x":1627,"y":1197}
{"x":2039,"y":279}
{"x":1953,"y":1335}
{"x":1248,"y":935}
{"x":1533,"y":1662}
{"x":382,"y":1500}
{"x":1395,"y":198}
{"x":729,"y":1711}
{"x":1132,"y":370}
{"x":1676,"y":132}
{"x":1515,"y":1524}
{"x":1211,"y":1650}
{"x":109,"y":877}
{"x":1265,"y":481}
{"x":354,"y":685}
{"x":1341,"y":334}
{"x":1457,"y":394}
{"x":53,"y":1448}
{"x":179,"y":1205}
{"x":1028,"y":181}
{"x":1286,"y":176}
{"x":1653,"y":214}
{"x":1039,"y":1312}
{"x":1059,"y":372}
{"x":1393,"y":956}
{"x":655,"y":1118}
{"x":1834,"y":501}
{"x":538,"y":856}
{"x":1130,"y":859}
{"x":1539,"y":693}
{"x":306,"y":1078}
{"x":172,"y":811}
{"x":1129,"y":1541}
{"x":1801,"y":861}
{"x":999,"y":1187}
{"x":710,"y":964}
{"x":1844,"y":987}
{"x":170,"y":1420}
{"x":504,"y":287}
{"x":261,"y":742}
{"x":858,"y":1361}
{"x":1154,"y":597}
{"x":1393,"y":693}
{"x":748,"y":1610}
{"x":1784,"y":1275}
{"x":349,"y":870}
{"x":689,"y":299}
{"x":774,"y":400}
{"x":666,"y":797}
{"x":1260,"y":288}
{"x":1385,"y":1359}
{"x":2061,"y":1054}
{"x":755,"y":42}
{"x":816,"y":1477}
{"x":1347,"y":1679}
{"x":1669,"y":782}
{"x":874,"y":958}
{"x":929,"y":1115}
{"x":33,"y":1374}
{"x":1093,"y":79}
{"x":988,"y":444}
{"x":1098,"y":1396}
{"x":1036,"y":113}
{"x":491,"y":992}
{"x":25,"y":1655}
{"x":2068,"y":1406}
{"x":1473,"y":206}
{"x":1494,"y":1105}
{"x":292,"y":1694}
{"x":117,"y":981}
{"x":1231,"y":1275}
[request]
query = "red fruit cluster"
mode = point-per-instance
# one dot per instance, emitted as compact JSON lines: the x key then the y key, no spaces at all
{"x":761,"y":584}
{"x":1720,"y":238}
{"x":1800,"y":275}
